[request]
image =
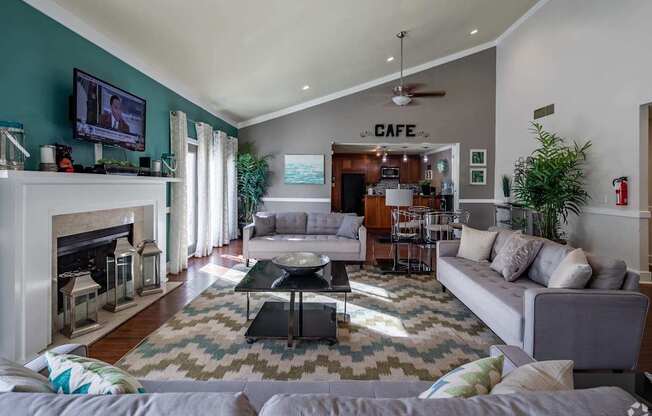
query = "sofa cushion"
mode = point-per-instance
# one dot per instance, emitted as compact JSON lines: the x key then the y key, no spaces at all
{"x":16,"y":378}
{"x":264,"y":224}
{"x":476,"y":244}
{"x":196,"y":404}
{"x":572,"y":273}
{"x":322,"y":223}
{"x":501,"y":238}
{"x":515,"y":256}
{"x":350,"y":226}
{"x":587,"y":402}
{"x":299,"y":242}
{"x":549,"y":257}
{"x":291,"y":222}
{"x":607,"y":273}
{"x":498,"y":303}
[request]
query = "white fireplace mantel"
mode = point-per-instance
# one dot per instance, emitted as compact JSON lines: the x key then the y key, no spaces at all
{"x":28,"y":201}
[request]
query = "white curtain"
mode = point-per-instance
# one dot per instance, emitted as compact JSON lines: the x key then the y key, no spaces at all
{"x":215,"y":200}
{"x":178,"y":206}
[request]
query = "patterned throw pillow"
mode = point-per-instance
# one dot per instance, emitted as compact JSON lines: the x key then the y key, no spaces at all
{"x":468,"y":380}
{"x":72,"y":374}
{"x":516,"y":256}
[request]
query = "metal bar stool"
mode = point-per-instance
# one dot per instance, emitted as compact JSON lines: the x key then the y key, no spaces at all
{"x":405,"y":226}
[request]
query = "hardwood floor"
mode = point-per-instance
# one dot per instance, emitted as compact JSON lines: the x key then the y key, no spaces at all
{"x":121,"y":340}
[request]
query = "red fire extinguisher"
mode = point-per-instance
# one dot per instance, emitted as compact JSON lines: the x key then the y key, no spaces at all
{"x":620,"y":185}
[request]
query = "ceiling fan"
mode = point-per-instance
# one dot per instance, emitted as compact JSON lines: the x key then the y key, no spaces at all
{"x":403,"y":93}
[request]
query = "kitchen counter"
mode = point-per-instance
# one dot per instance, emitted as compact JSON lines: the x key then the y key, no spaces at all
{"x":377,"y":215}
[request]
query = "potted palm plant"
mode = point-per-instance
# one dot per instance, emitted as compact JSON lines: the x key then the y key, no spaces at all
{"x":551,"y":181}
{"x":253,"y":172}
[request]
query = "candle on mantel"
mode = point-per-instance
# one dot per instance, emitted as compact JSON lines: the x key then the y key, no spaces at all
{"x":47,"y":154}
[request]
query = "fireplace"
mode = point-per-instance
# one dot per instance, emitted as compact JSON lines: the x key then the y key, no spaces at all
{"x":87,"y":251}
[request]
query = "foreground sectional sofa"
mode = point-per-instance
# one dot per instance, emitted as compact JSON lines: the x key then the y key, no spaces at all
{"x":273,"y":398}
{"x":300,"y":231}
{"x":600,"y":327}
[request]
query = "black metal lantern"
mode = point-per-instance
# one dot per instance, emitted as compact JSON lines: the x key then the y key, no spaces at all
{"x":80,"y":305}
{"x":120,"y":276}
{"x":150,"y":269}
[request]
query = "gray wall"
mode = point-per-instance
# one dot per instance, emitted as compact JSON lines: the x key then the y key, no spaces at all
{"x":466,"y":115}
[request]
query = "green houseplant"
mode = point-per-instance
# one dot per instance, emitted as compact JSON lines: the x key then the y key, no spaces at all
{"x":507,"y":186}
{"x":253,"y":173}
{"x":551,"y":181}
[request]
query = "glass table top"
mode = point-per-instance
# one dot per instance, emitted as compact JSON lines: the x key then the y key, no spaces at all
{"x":265,"y":276}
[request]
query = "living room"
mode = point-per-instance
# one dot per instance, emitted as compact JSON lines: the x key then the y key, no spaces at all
{"x":325,"y":208}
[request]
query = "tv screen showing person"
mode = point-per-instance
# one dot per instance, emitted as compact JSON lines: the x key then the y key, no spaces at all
{"x":107,"y":114}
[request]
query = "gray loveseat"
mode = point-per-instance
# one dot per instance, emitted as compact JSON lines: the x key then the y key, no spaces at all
{"x":299,"y":231}
{"x":273,"y":398}
{"x":600,"y":327}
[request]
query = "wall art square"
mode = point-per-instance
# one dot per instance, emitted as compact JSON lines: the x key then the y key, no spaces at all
{"x":478,"y":157}
{"x":304,"y":169}
{"x":478,"y":176}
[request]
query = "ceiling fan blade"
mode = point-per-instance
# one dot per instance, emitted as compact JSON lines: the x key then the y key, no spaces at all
{"x":429,"y":94}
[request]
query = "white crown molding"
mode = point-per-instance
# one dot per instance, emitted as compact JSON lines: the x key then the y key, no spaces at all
{"x":538,"y":5}
{"x":283,"y":199}
{"x":365,"y":85}
{"x":124,"y":53}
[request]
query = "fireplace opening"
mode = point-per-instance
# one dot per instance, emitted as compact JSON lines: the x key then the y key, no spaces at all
{"x":87,"y":252}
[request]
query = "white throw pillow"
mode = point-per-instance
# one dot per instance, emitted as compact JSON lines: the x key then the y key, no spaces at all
{"x":538,"y":376}
{"x":573,"y":272}
{"x":476,"y":244}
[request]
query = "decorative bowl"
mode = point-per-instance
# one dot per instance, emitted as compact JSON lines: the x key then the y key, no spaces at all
{"x":301,"y":264}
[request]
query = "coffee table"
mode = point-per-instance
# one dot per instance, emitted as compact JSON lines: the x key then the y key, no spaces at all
{"x":282,"y":320}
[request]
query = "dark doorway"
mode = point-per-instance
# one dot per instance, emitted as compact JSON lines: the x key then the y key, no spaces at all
{"x":353,"y":192}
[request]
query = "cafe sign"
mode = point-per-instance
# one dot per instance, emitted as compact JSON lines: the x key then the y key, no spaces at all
{"x":394,"y":130}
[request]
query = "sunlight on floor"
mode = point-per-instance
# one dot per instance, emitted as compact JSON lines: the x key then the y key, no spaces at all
{"x":224,"y":273}
{"x":371,"y":291}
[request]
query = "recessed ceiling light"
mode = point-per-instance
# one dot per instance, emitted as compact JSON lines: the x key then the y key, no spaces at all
{"x":305,"y":87}
{"x":390,"y":59}
{"x":473,"y":32}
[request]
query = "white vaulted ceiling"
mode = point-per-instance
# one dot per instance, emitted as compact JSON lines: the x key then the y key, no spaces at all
{"x":247,"y":58}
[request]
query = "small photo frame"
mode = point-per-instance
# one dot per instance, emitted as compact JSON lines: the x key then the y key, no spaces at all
{"x":478,"y":157}
{"x":478,"y":176}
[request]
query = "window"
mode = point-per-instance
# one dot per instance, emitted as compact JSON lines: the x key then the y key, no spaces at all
{"x":191,"y":184}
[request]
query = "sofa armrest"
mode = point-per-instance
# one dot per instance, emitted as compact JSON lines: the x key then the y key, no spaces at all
{"x":447,"y":248}
{"x":247,"y":234}
{"x":362,"y":237}
{"x":597,"y":329}
{"x":514,"y":356}
{"x":40,"y":364}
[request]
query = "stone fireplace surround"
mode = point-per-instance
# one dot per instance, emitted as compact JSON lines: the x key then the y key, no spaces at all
{"x":36,"y":208}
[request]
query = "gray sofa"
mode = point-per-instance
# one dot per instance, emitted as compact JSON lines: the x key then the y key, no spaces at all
{"x":272,"y":398}
{"x":600,"y":327}
{"x":300,"y":231}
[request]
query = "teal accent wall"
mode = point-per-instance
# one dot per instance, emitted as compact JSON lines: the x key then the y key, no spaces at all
{"x":38,"y":57}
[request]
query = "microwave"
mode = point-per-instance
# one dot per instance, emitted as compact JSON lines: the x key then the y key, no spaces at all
{"x":389,"y":173}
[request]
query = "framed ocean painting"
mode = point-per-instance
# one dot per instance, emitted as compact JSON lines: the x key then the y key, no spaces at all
{"x":304,"y":169}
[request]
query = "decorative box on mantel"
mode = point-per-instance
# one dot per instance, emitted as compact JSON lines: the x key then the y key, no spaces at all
{"x":28,"y":203}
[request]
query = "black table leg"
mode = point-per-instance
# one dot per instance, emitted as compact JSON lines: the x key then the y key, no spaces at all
{"x":247,"y":306}
{"x":291,"y":322}
{"x":300,"y":314}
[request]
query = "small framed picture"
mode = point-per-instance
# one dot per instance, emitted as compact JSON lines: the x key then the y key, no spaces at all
{"x":478,"y":176}
{"x":478,"y":157}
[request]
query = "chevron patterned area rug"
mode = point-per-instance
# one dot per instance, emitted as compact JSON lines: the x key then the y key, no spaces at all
{"x":402,"y":328}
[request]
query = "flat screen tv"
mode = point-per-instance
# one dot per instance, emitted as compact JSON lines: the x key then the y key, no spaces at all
{"x":107,"y":114}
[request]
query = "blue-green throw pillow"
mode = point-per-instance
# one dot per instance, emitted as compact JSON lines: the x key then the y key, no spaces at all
{"x":72,"y":374}
{"x":471,"y":379}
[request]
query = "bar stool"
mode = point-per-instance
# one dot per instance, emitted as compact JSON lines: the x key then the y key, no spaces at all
{"x":405,"y":226}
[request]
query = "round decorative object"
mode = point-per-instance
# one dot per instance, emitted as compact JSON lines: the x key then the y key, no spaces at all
{"x":442,"y":165}
{"x":301,"y":264}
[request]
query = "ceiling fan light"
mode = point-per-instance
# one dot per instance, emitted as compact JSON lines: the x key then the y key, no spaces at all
{"x":401,"y":100}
